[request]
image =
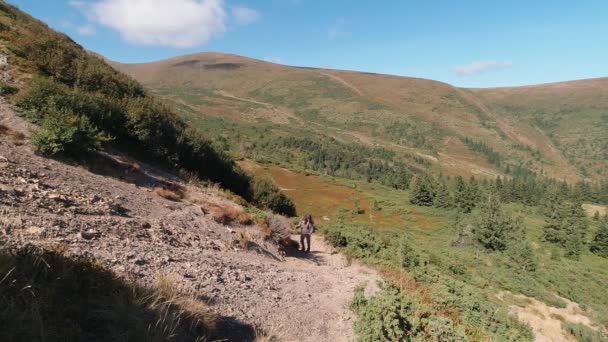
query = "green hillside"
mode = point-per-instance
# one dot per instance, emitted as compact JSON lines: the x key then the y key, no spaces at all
{"x":454,"y":131}
{"x":81,"y":104}
{"x":574,"y":115}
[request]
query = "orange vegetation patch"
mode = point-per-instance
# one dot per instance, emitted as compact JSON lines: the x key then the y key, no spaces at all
{"x":311,"y":194}
{"x":170,"y":191}
{"x":322,"y":198}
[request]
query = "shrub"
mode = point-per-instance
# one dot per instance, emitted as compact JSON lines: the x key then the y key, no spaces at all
{"x":227,"y":214}
{"x":395,"y":315}
{"x":65,"y":133}
{"x":583,"y":333}
{"x":599,"y":245}
{"x":267,"y":195}
{"x":172,"y":192}
{"x":7,"y":89}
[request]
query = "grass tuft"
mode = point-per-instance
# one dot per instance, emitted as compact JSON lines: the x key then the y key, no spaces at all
{"x":46,"y":295}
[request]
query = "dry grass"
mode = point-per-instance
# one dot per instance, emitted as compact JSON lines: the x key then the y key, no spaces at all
{"x":171,"y":191}
{"x":271,"y":334}
{"x":244,"y":240}
{"x":230,"y":214}
{"x":558,"y":317}
{"x":277,"y":228}
{"x":15,"y":138}
{"x":50,"y":295}
{"x":189,"y":308}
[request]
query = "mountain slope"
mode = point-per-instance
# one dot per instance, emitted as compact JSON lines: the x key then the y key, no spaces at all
{"x":410,"y":116}
{"x":574,"y":115}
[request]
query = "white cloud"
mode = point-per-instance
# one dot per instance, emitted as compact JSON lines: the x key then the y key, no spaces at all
{"x":479,"y":67}
{"x":337,"y":31}
{"x":175,"y":23}
{"x":244,"y":15}
{"x":76,"y":3}
{"x":86,"y":30}
{"x":275,"y":60}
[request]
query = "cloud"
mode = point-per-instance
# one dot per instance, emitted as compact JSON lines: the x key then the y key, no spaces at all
{"x":479,"y":67}
{"x":337,"y":31}
{"x":244,"y":15}
{"x":175,"y":23}
{"x":275,"y":60}
{"x":86,"y":30}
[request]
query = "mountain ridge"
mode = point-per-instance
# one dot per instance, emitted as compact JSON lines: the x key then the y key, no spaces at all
{"x":378,"y":110}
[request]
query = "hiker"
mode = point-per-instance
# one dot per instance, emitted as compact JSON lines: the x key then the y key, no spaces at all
{"x":307,"y":227}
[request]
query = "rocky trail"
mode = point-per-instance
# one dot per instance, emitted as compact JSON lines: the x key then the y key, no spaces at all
{"x":119,"y":221}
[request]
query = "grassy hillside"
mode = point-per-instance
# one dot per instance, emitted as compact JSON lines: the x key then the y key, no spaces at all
{"x":573,"y":115}
{"x":435,"y":256}
{"x":81,"y":104}
{"x":408,"y":116}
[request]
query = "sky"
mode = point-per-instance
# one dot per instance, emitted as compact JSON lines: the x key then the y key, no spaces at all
{"x":467,"y":43}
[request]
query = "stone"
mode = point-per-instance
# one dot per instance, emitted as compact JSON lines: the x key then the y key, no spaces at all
{"x":90,"y":234}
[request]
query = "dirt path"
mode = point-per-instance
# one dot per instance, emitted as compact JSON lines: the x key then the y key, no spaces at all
{"x":318,"y":306}
{"x":546,"y":321}
{"x":343,"y":82}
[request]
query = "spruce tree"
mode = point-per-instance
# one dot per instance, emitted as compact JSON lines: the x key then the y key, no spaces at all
{"x":523,"y":256}
{"x":599,"y":245}
{"x":423,"y":192}
{"x":463,"y":196}
{"x":567,"y":227}
{"x":495,"y":229}
{"x":443,"y":198}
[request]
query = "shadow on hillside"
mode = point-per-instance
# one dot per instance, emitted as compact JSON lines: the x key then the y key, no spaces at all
{"x":313,"y":256}
{"x":46,"y":296}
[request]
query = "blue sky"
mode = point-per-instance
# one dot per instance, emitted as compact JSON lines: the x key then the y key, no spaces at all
{"x":471,"y":43}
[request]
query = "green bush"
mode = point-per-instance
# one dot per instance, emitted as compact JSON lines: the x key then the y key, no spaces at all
{"x":395,"y":315}
{"x":266,"y":194}
{"x":8,"y":89}
{"x":583,"y":333}
{"x":599,"y":245}
{"x":65,"y":133}
{"x":68,"y":79}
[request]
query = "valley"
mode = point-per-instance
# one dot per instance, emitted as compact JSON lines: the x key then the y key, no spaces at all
{"x":160,"y":201}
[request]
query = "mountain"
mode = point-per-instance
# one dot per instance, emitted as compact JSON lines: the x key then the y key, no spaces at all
{"x":427,"y":124}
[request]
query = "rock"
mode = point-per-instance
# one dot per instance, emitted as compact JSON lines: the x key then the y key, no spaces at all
{"x":57,"y":197}
{"x":34,"y":230}
{"x":90,"y":234}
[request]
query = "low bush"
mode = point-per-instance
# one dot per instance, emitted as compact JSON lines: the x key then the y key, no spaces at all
{"x":65,"y":133}
{"x":7,"y":89}
{"x":230,"y":214}
{"x":267,"y":195}
{"x":395,"y":315}
{"x":583,"y":333}
{"x":171,"y":193}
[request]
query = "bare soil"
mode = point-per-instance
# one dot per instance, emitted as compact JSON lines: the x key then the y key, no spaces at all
{"x":117,"y":219}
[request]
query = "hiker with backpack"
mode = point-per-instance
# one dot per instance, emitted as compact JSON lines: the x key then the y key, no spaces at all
{"x":307,"y":227}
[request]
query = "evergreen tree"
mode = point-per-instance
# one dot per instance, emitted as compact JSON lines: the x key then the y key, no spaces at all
{"x":423,"y":191}
{"x":566,"y":227}
{"x":599,"y":245}
{"x":443,"y":197}
{"x":495,"y":229}
{"x":473,"y":191}
{"x":462,"y":196}
{"x":523,"y":256}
